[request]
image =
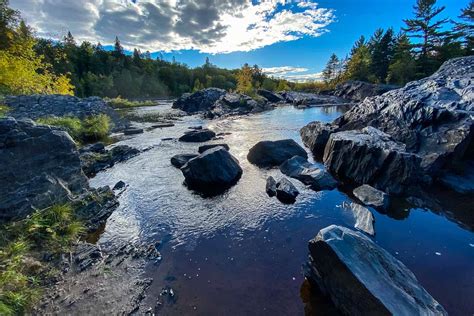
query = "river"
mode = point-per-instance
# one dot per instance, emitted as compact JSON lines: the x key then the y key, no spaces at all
{"x":242,"y":252}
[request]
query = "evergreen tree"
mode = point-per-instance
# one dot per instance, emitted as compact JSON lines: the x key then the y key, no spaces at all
{"x":9,"y":20}
{"x":331,"y":70}
{"x":358,"y":65}
{"x":69,"y":40}
{"x":465,"y":29}
{"x":118,"y":49}
{"x":381,"y":48}
{"x":403,"y":66}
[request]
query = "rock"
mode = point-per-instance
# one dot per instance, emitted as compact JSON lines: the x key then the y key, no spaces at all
{"x":315,"y":136}
{"x":270,"y":96}
{"x":462,"y":183}
{"x":213,"y":171}
{"x":237,"y":104}
{"x":93,"y":162}
{"x":361,"y":278}
{"x":286,"y":192}
{"x":162,"y":125}
{"x":86,"y":255}
{"x":37,"y":106}
{"x":199,"y":101}
{"x":304,"y":99}
{"x":133,"y":131}
{"x":372,"y":157}
{"x":40,"y":167}
{"x":270,"y":187}
{"x":364,"y":220}
{"x":93,"y":148}
{"x":197,"y":136}
{"x":195,"y":127}
{"x":372,"y":197}
{"x":206,"y":147}
{"x":359,"y":90}
{"x":180,"y":160}
{"x":119,"y":185}
{"x":267,"y":154}
{"x":308,"y":173}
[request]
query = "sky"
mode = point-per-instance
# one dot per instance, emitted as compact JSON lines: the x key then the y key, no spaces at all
{"x":291,"y":39}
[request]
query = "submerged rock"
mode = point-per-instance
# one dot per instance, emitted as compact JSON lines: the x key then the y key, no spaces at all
{"x":199,"y":101}
{"x":93,"y":162}
{"x":267,"y":154}
{"x":286,"y":192}
{"x":270,"y":186}
{"x":361,"y":278}
{"x":212,"y":172}
{"x":180,"y":160}
{"x":372,"y":197}
{"x":197,"y":136}
{"x":203,"y":148}
{"x":119,"y":185}
{"x":370,"y":156}
{"x":364,"y":219}
{"x":308,"y":173}
{"x":133,"y":131}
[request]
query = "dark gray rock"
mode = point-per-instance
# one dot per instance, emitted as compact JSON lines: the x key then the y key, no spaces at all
{"x":462,"y":183}
{"x":93,"y":148}
{"x":359,"y":90}
{"x":304,"y":99}
{"x":372,"y":197}
{"x":364,"y":219}
{"x":372,"y":157}
{"x":199,"y":101}
{"x":267,"y":154}
{"x":162,"y":125}
{"x":93,"y":162}
{"x":180,"y":160}
{"x":237,"y":104}
{"x":361,"y":278}
{"x":197,"y":136}
{"x":270,"y":186}
{"x":308,"y":173}
{"x":315,"y":136}
{"x":270,"y":96}
{"x":133,"y":131}
{"x":212,"y":172}
{"x":286,"y":192}
{"x":119,"y":185}
{"x":40,"y":167}
{"x":206,"y":147}
{"x":86,"y":255}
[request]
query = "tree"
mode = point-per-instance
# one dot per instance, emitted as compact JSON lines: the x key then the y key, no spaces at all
{"x":358,"y":66}
{"x":332,"y":69}
{"x":69,"y":40}
{"x":424,"y":26}
{"x":118,"y":49}
{"x":9,"y":20}
{"x":381,"y":50}
{"x":197,"y":85}
{"x":465,"y":29}
{"x":403,"y":66}
{"x":244,"y":80}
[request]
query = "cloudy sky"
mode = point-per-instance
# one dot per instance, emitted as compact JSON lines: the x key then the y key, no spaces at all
{"x":291,"y":39}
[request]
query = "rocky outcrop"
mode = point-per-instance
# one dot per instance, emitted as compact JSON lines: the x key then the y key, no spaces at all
{"x":267,"y":154}
{"x":308,"y":173}
{"x":96,"y":158}
{"x":270,"y":96}
{"x":180,"y":160}
{"x":372,"y":197}
{"x":304,"y":99}
{"x":41,"y":167}
{"x":358,"y":90}
{"x":37,"y":106}
{"x":315,"y":136}
{"x":197,"y":136}
{"x":212,"y":172}
{"x":361,"y":278}
{"x":203,"y":148}
{"x":199,"y":101}
{"x":430,"y":119}
{"x":370,"y":156}
{"x":286,"y":192}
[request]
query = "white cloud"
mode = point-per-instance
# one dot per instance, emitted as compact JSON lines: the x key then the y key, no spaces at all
{"x":295,"y":74}
{"x":317,"y":76}
{"x":210,"y":26}
{"x":283,"y":70}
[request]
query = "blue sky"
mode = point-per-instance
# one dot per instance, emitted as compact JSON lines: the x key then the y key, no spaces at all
{"x":272,"y":33}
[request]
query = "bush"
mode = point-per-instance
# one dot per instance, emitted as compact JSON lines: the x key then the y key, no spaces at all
{"x":52,"y":230}
{"x":118,"y":102}
{"x":92,"y":128}
{"x":3,"y":110}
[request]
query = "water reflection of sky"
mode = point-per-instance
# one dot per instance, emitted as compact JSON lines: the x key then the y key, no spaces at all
{"x":156,"y":206}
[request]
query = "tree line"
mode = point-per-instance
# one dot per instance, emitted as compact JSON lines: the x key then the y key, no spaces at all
{"x":417,"y":51}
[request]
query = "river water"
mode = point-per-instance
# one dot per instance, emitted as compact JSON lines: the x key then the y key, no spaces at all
{"x":242,"y":252}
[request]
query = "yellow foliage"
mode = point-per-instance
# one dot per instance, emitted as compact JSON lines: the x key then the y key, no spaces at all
{"x":244,"y":80}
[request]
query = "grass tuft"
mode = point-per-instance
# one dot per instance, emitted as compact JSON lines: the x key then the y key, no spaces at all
{"x":120,"y":103}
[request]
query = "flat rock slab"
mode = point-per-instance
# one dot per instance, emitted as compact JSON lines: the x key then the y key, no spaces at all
{"x":361,"y":278}
{"x":133,"y":131}
{"x":299,"y":168}
{"x":372,"y":197}
{"x":197,"y":136}
{"x":203,"y":148}
{"x":180,"y":160}
{"x":267,"y":154}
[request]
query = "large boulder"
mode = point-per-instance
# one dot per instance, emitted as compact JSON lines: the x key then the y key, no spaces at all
{"x":181,"y":159}
{"x":371,"y":157}
{"x":41,"y":167}
{"x":199,"y":101}
{"x":359,"y":90}
{"x":308,"y":173}
{"x":237,"y":104}
{"x":212,"y":172}
{"x":315,"y":136}
{"x":197,"y":136}
{"x":361,"y":278}
{"x":270,"y":96}
{"x":303,"y":99}
{"x":267,"y":154}
{"x":203,"y":148}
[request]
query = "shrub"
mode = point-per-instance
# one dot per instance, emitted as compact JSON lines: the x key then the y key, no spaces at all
{"x":72,"y":125}
{"x":118,"y":102}
{"x":3,"y":110}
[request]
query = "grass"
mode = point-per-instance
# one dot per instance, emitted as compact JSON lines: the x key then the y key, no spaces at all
{"x":151,"y":117}
{"x":120,"y":103}
{"x":92,"y":128}
{"x":22,"y":246}
{"x":3,"y":110}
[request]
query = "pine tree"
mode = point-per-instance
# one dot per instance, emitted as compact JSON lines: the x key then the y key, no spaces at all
{"x":69,"y":40}
{"x":465,"y":29}
{"x":381,"y":48}
{"x":403,"y":66}
{"x":358,"y":65}
{"x":118,"y":49}
{"x":332,"y":69}
{"x":9,"y":20}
